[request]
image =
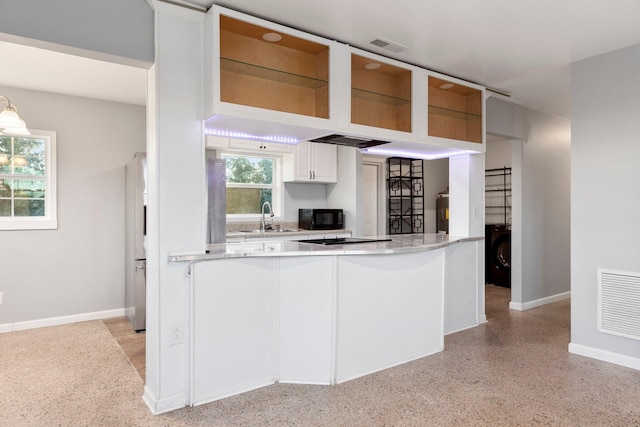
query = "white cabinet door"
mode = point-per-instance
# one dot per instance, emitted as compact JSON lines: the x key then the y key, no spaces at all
{"x":251,"y":145}
{"x":298,"y":166}
{"x":324,"y":162}
{"x":217,"y":142}
{"x":312,"y":162}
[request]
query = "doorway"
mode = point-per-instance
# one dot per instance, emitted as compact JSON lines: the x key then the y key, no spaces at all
{"x":370,"y":198}
{"x":504,"y":152}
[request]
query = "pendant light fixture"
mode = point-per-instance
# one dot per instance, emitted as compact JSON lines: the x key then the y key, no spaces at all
{"x":10,"y":122}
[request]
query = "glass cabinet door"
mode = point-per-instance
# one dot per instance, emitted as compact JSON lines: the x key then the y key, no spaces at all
{"x":380,"y":94}
{"x":263,"y":68}
{"x":455,"y":111}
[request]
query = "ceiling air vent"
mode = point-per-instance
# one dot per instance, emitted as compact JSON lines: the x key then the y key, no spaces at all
{"x":389,"y":45}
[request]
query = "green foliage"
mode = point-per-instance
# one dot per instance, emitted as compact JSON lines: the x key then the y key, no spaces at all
{"x":249,"y":170}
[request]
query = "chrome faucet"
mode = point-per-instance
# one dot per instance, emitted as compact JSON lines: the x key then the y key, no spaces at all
{"x":263,"y":226}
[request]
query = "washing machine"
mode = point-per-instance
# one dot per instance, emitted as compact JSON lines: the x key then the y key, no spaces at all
{"x":498,"y":255}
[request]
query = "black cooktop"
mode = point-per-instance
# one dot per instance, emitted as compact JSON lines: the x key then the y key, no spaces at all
{"x":342,"y":241}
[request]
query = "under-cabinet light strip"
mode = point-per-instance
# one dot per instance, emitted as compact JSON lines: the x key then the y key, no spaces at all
{"x":243,"y":135}
{"x":415,"y":154}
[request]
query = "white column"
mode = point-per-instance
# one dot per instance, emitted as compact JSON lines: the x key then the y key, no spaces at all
{"x":347,"y":193}
{"x":466,"y":195}
{"x":176,"y":218}
{"x":466,"y":210}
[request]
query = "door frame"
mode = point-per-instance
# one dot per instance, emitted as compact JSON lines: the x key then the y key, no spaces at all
{"x":380,"y":164}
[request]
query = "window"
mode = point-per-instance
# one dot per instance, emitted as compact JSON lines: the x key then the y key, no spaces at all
{"x":251,"y":181}
{"x":28,"y":181}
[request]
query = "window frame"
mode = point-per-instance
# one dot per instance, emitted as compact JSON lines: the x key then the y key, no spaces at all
{"x":277,"y":193}
{"x":50,"y":219}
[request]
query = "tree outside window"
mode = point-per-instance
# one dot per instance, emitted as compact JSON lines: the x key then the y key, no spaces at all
{"x":27,"y":181}
{"x":250,"y":183}
{"x":22,"y":176}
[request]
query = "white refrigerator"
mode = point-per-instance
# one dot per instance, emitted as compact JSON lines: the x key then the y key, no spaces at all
{"x":135,"y":241}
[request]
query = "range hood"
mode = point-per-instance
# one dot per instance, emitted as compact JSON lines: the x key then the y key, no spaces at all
{"x":349,"y":141}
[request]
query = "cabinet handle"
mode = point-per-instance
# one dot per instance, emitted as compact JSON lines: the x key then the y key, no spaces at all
{"x":310,"y":175}
{"x":314,"y":174}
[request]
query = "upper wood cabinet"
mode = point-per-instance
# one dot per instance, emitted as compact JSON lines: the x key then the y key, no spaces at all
{"x":266,"y":73}
{"x":263,"y":68}
{"x":380,"y":94}
{"x":455,"y":110}
{"x":270,"y":82}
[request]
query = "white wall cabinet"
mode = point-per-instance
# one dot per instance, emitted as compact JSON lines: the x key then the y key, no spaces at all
{"x":312,"y":163}
{"x":223,"y":143}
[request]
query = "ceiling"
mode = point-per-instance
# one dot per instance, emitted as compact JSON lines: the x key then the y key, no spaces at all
{"x":522,"y":48}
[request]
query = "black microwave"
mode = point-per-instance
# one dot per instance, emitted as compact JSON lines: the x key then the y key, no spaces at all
{"x":320,"y":219}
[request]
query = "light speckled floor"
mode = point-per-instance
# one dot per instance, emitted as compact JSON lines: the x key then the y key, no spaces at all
{"x":514,"y":370}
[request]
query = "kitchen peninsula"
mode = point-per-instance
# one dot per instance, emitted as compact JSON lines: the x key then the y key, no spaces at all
{"x":287,"y":311}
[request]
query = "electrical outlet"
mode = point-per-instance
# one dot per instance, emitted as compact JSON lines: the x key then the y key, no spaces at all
{"x":1,"y":297}
{"x":176,"y":334}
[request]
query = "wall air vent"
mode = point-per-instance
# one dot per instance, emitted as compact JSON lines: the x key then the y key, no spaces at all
{"x":389,"y":45}
{"x":619,"y":303}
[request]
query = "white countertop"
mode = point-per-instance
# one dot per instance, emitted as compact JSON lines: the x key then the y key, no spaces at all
{"x":398,"y":244}
{"x":248,"y":234}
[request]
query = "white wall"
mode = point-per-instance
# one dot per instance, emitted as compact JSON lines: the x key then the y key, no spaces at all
{"x":300,"y":195}
{"x":78,"y":268}
{"x":498,"y":154}
{"x":605,"y":194}
{"x":346,"y":194}
{"x":542,"y":209}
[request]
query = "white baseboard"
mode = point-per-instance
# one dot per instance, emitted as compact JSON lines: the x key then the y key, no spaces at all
{"x":62,"y":320}
{"x":539,"y":302}
{"x":161,"y":406}
{"x":605,"y":356}
{"x":475,"y":325}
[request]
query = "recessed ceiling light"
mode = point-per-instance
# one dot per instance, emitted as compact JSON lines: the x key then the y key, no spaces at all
{"x":446,"y":85}
{"x":372,"y":65}
{"x":272,"y":37}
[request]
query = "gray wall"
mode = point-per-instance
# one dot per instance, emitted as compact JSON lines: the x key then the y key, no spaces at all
{"x":436,"y":180}
{"x":605,"y":177}
{"x":542,"y":221}
{"x":78,"y":268}
{"x":116,"y":28}
{"x":498,"y":154}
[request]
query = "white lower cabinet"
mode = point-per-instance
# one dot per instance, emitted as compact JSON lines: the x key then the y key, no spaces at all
{"x":305,"y":317}
{"x":311,"y":319}
{"x":312,"y":162}
{"x":233,"y":327}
